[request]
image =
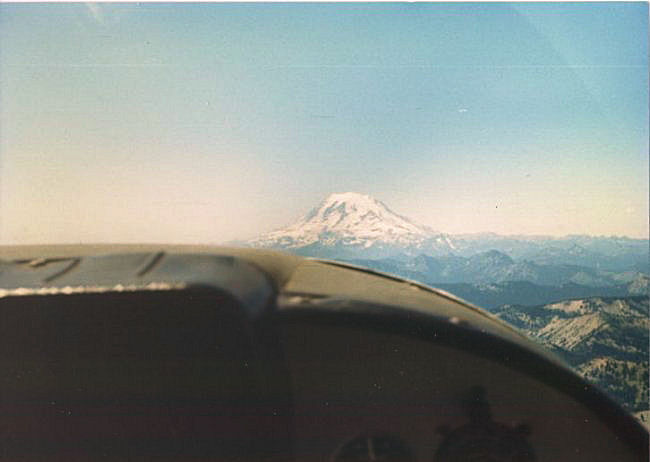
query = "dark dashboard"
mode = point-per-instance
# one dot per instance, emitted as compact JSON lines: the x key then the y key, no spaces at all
{"x":145,"y":353}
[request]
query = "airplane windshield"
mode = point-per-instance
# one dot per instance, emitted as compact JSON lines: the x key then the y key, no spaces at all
{"x":495,"y":151}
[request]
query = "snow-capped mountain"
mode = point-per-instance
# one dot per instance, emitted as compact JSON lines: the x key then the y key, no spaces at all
{"x":352,"y":226}
{"x":357,"y":221}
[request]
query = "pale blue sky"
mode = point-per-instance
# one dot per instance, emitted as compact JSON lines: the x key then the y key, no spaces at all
{"x":212,"y":122}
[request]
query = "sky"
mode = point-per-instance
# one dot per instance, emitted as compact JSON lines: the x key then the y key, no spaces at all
{"x":205,"y":123}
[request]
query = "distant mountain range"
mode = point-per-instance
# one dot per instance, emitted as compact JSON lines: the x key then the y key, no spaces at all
{"x":362,"y":230}
{"x":352,"y":226}
{"x":490,"y":296}
{"x":496,"y":267}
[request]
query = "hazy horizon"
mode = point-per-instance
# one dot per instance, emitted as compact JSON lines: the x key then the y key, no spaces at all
{"x":208,"y":123}
{"x":316,"y":206}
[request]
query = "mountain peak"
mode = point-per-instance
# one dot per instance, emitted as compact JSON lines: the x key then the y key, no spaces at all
{"x":352,"y":203}
{"x":348,"y":218}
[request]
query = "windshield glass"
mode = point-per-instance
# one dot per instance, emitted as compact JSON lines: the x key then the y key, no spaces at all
{"x":496,"y":151}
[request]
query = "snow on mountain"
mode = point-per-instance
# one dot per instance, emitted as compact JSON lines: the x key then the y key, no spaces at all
{"x":352,"y":225}
{"x":350,"y":219}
